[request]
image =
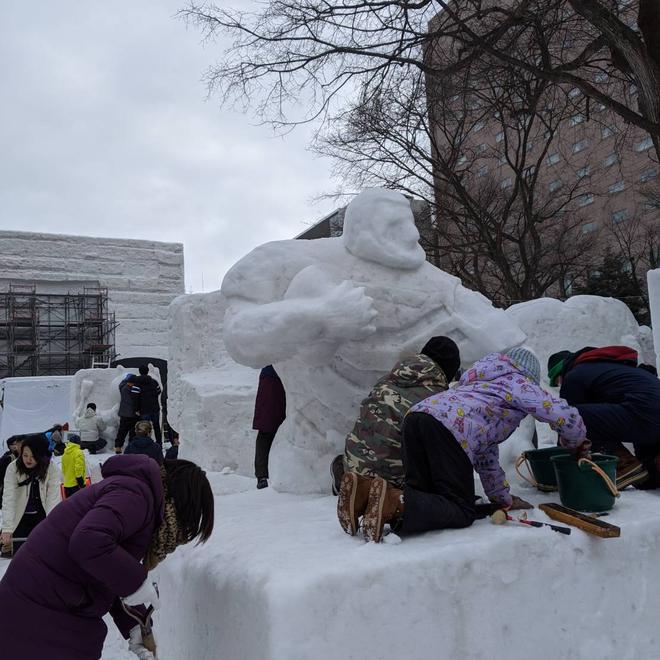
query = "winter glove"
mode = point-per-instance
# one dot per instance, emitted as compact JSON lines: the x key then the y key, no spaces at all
{"x":136,"y":646}
{"x":80,"y":481}
{"x":146,"y":594}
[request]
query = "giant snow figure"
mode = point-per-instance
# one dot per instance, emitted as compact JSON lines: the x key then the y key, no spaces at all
{"x":335,"y":314}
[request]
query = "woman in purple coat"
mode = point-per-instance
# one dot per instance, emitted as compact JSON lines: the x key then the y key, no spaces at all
{"x":95,"y":550}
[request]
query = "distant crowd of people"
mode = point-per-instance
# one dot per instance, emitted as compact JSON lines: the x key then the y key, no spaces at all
{"x":81,"y":550}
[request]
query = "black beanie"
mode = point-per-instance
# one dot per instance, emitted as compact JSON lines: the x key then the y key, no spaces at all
{"x":444,"y":352}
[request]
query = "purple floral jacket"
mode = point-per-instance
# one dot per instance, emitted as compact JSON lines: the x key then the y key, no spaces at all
{"x":489,"y":403}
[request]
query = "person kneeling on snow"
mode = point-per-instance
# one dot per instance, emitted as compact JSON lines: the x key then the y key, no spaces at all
{"x":450,"y":434}
{"x":94,"y":552}
{"x":618,"y":402}
{"x":143,"y":443}
{"x":90,"y":432}
{"x":31,"y":491}
{"x":373,"y":447}
{"x":74,"y":469}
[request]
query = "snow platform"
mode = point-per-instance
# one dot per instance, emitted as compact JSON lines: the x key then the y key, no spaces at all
{"x":279,"y":580}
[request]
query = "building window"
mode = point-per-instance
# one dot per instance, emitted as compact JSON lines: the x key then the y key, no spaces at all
{"x":575,"y":92}
{"x":577,"y":119}
{"x":506,"y":183}
{"x":553,"y":159}
{"x":645,"y":144}
{"x":502,"y":159}
{"x":599,"y":107}
{"x":483,"y":170}
{"x":481,"y":148}
{"x":528,"y":171}
{"x":499,"y":137}
{"x":617,"y":187}
{"x":620,"y":216}
{"x":555,"y":185}
{"x":585,"y":200}
{"x":588,"y":227}
{"x":649,"y":174}
{"x":454,"y":98}
{"x":584,"y":171}
{"x":462,"y":160}
{"x":547,"y":134}
{"x":478,"y":126}
{"x":610,"y":160}
{"x":580,"y":145}
{"x":606,"y":131}
{"x":601,"y":77}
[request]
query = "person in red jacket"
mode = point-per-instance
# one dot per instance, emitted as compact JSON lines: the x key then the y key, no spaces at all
{"x":269,"y":413}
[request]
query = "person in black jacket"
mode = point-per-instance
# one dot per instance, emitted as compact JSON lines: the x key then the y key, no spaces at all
{"x":150,"y":401}
{"x":13,"y":450}
{"x":129,"y":407}
{"x":143,"y":443}
{"x":618,"y":402}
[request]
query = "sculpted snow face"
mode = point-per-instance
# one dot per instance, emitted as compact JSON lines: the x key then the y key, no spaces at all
{"x":333,"y":315}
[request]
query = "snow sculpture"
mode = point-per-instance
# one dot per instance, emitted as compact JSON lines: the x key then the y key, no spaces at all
{"x":552,"y":325}
{"x":334,"y":314}
{"x":101,"y":386}
{"x":653,"y":279}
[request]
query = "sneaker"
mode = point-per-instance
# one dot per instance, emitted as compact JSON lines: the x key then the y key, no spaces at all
{"x":262,"y":483}
{"x":629,"y":470}
{"x":352,"y":502}
{"x":336,"y":473}
{"x":385,"y":505}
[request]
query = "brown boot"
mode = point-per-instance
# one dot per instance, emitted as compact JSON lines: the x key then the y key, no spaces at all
{"x":385,"y":505}
{"x":629,"y":470}
{"x":352,"y":502}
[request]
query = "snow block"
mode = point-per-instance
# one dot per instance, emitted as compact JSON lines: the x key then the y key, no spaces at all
{"x":653,"y":280}
{"x":279,"y":580}
{"x":552,"y":325}
{"x":210,"y":397}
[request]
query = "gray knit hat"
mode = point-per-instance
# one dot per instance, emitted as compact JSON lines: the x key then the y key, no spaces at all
{"x":526,"y":361}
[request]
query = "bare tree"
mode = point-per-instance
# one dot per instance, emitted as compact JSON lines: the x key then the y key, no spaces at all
{"x":318,"y":52}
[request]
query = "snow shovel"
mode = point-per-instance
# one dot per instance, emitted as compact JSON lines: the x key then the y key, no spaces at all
{"x":146,"y":624}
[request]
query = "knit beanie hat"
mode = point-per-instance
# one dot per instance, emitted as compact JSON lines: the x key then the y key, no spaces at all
{"x":444,"y":352}
{"x":556,"y":364}
{"x":526,"y":361}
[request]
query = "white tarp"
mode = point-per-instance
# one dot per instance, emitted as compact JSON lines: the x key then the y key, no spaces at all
{"x":34,"y":404}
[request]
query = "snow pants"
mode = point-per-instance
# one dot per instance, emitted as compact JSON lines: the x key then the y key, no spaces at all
{"x":439,"y":481}
{"x":126,"y":425}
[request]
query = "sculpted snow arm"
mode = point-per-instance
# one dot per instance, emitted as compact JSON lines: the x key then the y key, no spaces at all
{"x":300,"y":325}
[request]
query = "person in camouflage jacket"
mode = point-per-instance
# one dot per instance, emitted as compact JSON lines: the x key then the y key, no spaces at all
{"x":373,"y":447}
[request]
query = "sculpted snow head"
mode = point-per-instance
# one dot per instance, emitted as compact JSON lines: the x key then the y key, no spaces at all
{"x":379,"y":226}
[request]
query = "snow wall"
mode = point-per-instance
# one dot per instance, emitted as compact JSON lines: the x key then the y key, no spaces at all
{"x":210,"y":397}
{"x":34,"y":403}
{"x":653,"y":279}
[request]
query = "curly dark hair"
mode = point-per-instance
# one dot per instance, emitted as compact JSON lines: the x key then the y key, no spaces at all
{"x":191,"y":491}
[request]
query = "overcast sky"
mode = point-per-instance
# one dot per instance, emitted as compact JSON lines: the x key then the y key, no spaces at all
{"x":105,"y":130}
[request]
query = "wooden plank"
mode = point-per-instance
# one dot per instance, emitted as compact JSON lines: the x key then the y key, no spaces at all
{"x":582,"y":521}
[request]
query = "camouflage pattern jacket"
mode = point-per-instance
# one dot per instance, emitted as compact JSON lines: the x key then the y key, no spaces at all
{"x":373,"y":448}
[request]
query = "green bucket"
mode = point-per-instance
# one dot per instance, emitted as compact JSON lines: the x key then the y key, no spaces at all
{"x":540,"y":468}
{"x":587,"y":485}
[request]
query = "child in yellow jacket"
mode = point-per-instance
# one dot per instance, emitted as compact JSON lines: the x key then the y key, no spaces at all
{"x":73,"y":466}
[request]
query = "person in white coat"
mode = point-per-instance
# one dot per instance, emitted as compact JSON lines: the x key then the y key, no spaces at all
{"x":89,"y":430}
{"x":31,"y":492}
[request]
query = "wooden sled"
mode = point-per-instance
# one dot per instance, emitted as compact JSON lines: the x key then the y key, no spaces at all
{"x":582,"y":521}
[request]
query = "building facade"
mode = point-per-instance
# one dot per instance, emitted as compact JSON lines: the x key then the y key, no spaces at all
{"x":68,"y":300}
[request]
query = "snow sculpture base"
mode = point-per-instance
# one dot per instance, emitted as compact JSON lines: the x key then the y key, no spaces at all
{"x":280,"y":581}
